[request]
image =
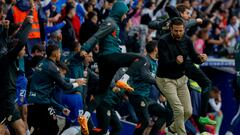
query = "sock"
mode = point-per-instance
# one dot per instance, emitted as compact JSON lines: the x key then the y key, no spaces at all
{"x":125,"y":78}
{"x":87,"y":114}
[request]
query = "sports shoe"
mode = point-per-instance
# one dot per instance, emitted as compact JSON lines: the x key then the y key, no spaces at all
{"x":123,"y":85}
{"x":205,"y":133}
{"x":82,"y":120}
{"x":206,"y":120}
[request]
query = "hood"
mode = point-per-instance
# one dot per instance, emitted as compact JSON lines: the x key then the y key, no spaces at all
{"x":23,"y":5}
{"x":118,"y":10}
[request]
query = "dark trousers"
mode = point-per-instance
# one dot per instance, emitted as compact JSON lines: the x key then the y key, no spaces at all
{"x":140,"y":105}
{"x":235,"y":121}
{"x":196,"y":74}
{"x":108,"y":66}
{"x":43,"y":119}
{"x":106,"y":116}
{"x":159,"y":112}
{"x":8,"y":108}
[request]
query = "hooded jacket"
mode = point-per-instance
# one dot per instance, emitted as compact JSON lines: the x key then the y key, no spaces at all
{"x":108,"y":33}
{"x":141,"y":86}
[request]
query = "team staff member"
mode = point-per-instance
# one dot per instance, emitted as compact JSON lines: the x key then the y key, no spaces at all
{"x":10,"y":52}
{"x":41,"y":115}
{"x":139,"y":98}
{"x":173,"y":49}
{"x":110,"y":58}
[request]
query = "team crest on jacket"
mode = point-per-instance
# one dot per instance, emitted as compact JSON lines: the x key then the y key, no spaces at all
{"x":143,"y":104}
{"x":114,"y":33}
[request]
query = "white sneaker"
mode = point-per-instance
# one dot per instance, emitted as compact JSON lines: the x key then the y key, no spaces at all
{"x":229,"y":133}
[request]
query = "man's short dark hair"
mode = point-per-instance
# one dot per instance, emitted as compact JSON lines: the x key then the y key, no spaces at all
{"x":39,"y":48}
{"x":110,"y":1}
{"x":74,"y":45}
{"x":35,"y":60}
{"x":50,"y":49}
{"x":145,"y":19}
{"x":69,"y":7}
{"x":91,"y":14}
{"x":181,"y":8}
{"x":176,"y":21}
{"x":151,"y":45}
{"x":62,"y":66}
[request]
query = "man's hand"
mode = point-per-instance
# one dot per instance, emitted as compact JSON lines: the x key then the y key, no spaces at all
{"x":179,"y":59}
{"x":199,"y":20}
{"x":54,"y":8}
{"x":48,"y":13}
{"x":6,"y":24}
{"x":66,"y":111}
{"x":81,"y":81}
{"x":203,"y":57}
{"x":116,"y":89}
{"x":30,"y":19}
{"x":162,"y":98}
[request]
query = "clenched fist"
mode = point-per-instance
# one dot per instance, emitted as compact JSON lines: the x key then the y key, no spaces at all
{"x":203,"y":57}
{"x":179,"y":59}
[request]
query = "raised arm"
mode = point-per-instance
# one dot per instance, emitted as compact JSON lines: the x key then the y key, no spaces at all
{"x":106,"y":28}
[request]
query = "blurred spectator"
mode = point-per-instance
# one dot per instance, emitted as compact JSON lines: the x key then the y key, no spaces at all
{"x":138,"y":35}
{"x":56,"y":38}
{"x":104,"y":11}
{"x":68,"y":32}
{"x":17,"y":15}
{"x":214,"y":39}
{"x":149,"y":9}
{"x":70,"y":12}
{"x":81,"y":12}
{"x":215,"y":112}
{"x":136,"y":17}
{"x":232,"y":34}
{"x":37,"y":53}
{"x":89,"y":27}
{"x":89,"y":7}
{"x":199,"y":44}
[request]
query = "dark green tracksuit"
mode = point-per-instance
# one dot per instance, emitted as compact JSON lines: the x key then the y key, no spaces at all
{"x":110,"y":58}
{"x":106,"y":114}
{"x":140,"y":97}
{"x":8,"y":70}
{"x":41,"y":115}
{"x":76,"y":70}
